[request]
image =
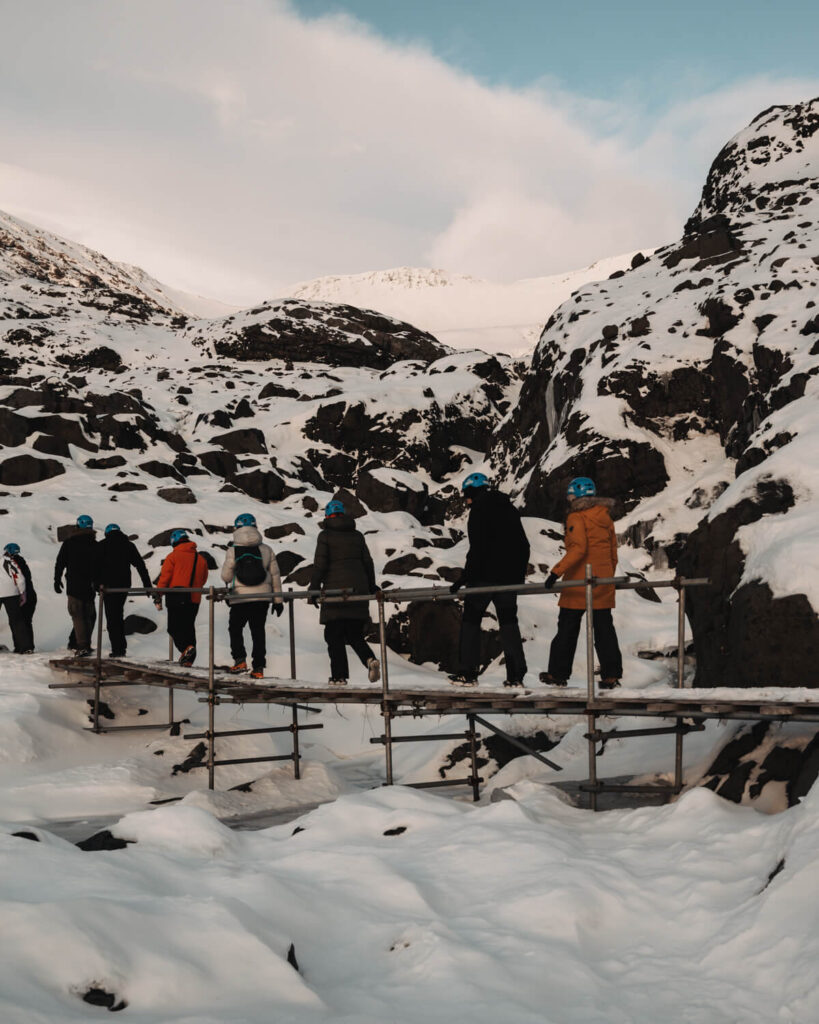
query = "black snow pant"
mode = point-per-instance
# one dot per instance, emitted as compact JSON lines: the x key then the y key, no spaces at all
{"x":84,"y":617}
{"x":19,"y":624}
{"x":338,"y":634}
{"x":28,"y":610}
{"x":182,"y":624}
{"x":506,"y":608}
{"x":254,"y":614}
{"x":114,"y":621}
{"x":561,"y":654}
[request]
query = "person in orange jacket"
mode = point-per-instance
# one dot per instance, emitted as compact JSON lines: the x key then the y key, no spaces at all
{"x":183,"y":567}
{"x":589,"y":539}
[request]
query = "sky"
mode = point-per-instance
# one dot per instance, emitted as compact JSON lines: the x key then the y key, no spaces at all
{"x":233,"y":149}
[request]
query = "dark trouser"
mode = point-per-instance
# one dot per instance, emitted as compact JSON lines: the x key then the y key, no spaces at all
{"x":506,"y":608}
{"x":114,"y":617}
{"x":182,"y":624}
{"x":19,"y":624}
{"x":84,"y":616}
{"x":561,"y":655}
{"x":254,"y":614}
{"x":338,"y":634}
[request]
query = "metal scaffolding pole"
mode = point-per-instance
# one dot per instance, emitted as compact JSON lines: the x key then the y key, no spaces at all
{"x":385,"y":688}
{"x":678,"y":743}
{"x":211,"y":691}
{"x":592,"y":718}
{"x":291,"y":618}
{"x":98,"y":660}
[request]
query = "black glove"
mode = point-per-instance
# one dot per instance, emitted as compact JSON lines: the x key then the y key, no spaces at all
{"x":58,"y":587}
{"x":456,"y":586}
{"x":278,"y":609}
{"x":551,"y":579}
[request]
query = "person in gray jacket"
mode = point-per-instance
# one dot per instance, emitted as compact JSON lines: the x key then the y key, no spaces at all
{"x":250,"y":568}
{"x":343,"y":562}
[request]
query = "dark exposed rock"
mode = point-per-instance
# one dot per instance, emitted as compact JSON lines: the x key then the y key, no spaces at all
{"x":177,"y":495}
{"x":277,"y":532}
{"x":427,"y":631}
{"x":739,"y":747}
{"x":337,"y":335}
{"x":381,"y":495}
{"x":104,"y":840}
{"x":287,"y":561}
{"x":101,"y":358}
{"x":248,"y":441}
{"x":126,"y":486}
{"x":273,"y":390}
{"x":21,"y":470}
{"x":195,"y":759}
{"x":220,"y":463}
{"x":161,"y":470}
{"x":733,"y":788}
{"x":264,"y":485}
{"x":27,"y":835}
{"x":97,"y":996}
{"x":138,"y":624}
{"x":407,"y":564}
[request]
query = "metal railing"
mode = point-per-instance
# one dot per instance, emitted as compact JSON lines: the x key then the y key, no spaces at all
{"x":397,"y":596}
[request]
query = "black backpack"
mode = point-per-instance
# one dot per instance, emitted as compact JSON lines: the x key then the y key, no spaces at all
{"x":249,"y":569}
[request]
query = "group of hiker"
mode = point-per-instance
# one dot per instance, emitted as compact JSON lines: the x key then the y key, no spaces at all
{"x":498,"y":556}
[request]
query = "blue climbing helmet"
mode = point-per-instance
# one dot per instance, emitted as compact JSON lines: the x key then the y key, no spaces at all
{"x":85,"y":522}
{"x":178,"y":536}
{"x":581,"y":487}
{"x":12,"y":549}
{"x":245,"y":519}
{"x":111,"y":528}
{"x":334,"y":508}
{"x":475,"y":480}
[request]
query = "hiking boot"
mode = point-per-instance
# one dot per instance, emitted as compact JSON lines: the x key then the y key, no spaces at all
{"x":239,"y":666}
{"x":609,"y":683}
{"x":463,"y":679}
{"x":257,"y":673}
{"x":549,"y":680}
{"x":336,"y":682}
{"x":373,"y":670}
{"x":513,"y":682}
{"x":83,"y":652}
{"x":188,"y":656}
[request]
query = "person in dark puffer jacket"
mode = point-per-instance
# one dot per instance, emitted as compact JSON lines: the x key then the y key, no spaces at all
{"x":498,"y":553}
{"x":77,"y":559}
{"x":116,"y":554}
{"x":343,"y":562}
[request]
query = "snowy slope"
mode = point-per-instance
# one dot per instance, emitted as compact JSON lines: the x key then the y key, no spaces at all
{"x":461,"y":311}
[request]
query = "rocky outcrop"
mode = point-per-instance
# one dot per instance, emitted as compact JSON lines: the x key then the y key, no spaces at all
{"x":318,"y":332}
{"x":686,"y":376}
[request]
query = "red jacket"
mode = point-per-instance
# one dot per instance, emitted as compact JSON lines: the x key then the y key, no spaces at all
{"x":590,"y":538}
{"x":177,"y":567}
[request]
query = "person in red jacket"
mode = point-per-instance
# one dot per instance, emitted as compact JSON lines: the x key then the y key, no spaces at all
{"x":183,"y":567}
{"x":589,"y":539}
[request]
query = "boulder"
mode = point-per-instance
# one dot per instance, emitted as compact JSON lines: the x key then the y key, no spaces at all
{"x":263,"y":485}
{"x":177,"y":495}
{"x":22,"y":470}
{"x":277,"y":532}
{"x":247,"y":441}
{"x":287,"y":561}
{"x":138,"y":624}
{"x":429,"y":631}
{"x":161,"y":469}
{"x":406,"y":565}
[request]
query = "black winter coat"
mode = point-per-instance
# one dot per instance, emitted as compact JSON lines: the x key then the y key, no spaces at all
{"x":77,"y":559}
{"x":343,"y":562}
{"x":498,"y":548}
{"x":115,"y":556}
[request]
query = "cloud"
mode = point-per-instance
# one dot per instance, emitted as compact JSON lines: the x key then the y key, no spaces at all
{"x":233,"y":148}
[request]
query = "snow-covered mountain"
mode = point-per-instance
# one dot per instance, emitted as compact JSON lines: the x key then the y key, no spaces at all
{"x":462,"y":311}
{"x":688,"y":388}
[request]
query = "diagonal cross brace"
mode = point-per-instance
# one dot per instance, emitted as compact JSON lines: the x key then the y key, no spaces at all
{"x":518,"y":743}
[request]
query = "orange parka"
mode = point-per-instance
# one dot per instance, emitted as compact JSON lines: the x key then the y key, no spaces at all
{"x":179,"y":565}
{"x":590,"y":538}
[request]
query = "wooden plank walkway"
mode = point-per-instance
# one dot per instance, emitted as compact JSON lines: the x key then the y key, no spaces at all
{"x":451,"y":700}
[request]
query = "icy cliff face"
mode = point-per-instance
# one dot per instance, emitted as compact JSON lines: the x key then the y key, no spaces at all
{"x":687,"y":387}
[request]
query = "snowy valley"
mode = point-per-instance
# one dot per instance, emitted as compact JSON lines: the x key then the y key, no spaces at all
{"x":684,"y":380}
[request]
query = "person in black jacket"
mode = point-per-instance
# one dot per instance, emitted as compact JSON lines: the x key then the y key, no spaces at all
{"x":115,"y":556}
{"x":343,"y":562}
{"x":498,"y":553}
{"x":25,"y":643}
{"x":77,"y":559}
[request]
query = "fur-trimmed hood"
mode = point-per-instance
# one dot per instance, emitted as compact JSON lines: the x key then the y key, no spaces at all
{"x":579,"y":504}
